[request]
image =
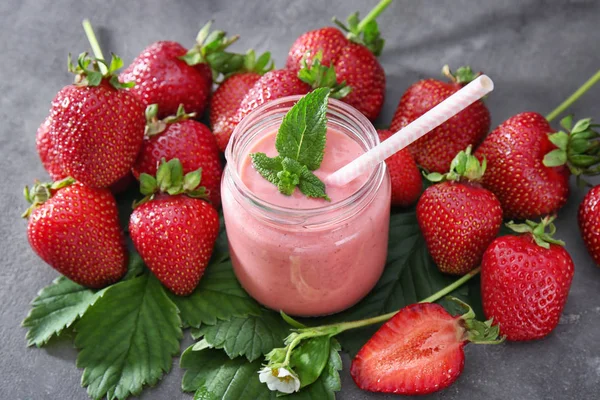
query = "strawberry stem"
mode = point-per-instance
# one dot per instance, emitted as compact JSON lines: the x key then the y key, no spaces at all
{"x":574,"y":97}
{"x":374,"y":13}
{"x":91,"y":36}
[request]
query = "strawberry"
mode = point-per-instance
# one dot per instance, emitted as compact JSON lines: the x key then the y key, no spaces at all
{"x":75,"y":229}
{"x":404,"y":173}
{"x":190,"y":141}
{"x":168,"y":74}
{"x":354,"y":58}
{"x":420,"y":350}
{"x":227,"y":98}
{"x":458,"y":217}
{"x":95,"y":127}
{"x":529,"y":167}
{"x":435,"y":151}
{"x":47,"y":152}
{"x":174,"y":233}
{"x":525,"y":281}
{"x":589,"y":222}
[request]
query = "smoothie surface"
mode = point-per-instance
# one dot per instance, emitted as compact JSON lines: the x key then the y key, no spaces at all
{"x":339,"y":151}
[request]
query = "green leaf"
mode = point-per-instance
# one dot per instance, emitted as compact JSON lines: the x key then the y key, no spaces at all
{"x":567,"y":123}
{"x":310,"y":358}
{"x":56,"y":308}
{"x":135,"y":266}
{"x":148,"y":184}
{"x":311,"y":186}
{"x":192,"y":180}
{"x":252,"y":336}
{"x":581,"y":125}
{"x":219,"y":296}
{"x":302,"y":133}
{"x":127,"y":338}
{"x":560,"y":139}
{"x":555,"y":158}
{"x":410,"y":275}
{"x":267,"y":167}
{"x":213,"y":375}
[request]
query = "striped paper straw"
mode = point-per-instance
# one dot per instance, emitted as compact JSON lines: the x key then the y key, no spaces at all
{"x":413,"y":131}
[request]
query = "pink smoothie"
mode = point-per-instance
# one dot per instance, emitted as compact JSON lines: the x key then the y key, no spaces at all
{"x":308,"y":270}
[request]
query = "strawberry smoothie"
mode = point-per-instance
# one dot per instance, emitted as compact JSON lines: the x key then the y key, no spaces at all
{"x":302,"y":255}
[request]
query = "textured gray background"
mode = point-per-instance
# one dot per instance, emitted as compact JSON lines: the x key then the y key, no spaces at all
{"x":536,"y":51}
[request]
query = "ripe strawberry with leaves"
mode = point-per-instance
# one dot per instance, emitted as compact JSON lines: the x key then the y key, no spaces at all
{"x":589,"y":222}
{"x":179,"y":136}
{"x":529,"y":166}
{"x":168,"y":74}
{"x":228,"y":96}
{"x":420,"y":350}
{"x":457,"y":216}
{"x":354,"y":57}
{"x":525,"y":280}
{"x":95,"y":127}
{"x":173,"y":228}
{"x":406,"y":179}
{"x":75,"y":229}
{"x":435,"y":151}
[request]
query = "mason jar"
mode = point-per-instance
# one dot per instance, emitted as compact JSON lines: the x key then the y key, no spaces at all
{"x":309,"y":261}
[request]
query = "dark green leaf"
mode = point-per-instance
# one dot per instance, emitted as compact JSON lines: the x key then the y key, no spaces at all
{"x":311,"y":186}
{"x":213,"y":375}
{"x":135,"y":266}
{"x":267,"y":167}
{"x":309,"y":359}
{"x":127,"y":338}
{"x":218,"y":296}
{"x":56,"y":308}
{"x":302,"y":133}
{"x":582,"y":160}
{"x":251,"y":336}
{"x":579,"y":146}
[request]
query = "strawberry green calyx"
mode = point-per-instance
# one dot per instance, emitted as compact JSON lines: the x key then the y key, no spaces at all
{"x":41,"y":192}
{"x":462,"y":76}
{"x":88,"y":72}
{"x":578,"y":148}
{"x":232,"y":63}
{"x":170,"y":179}
{"x":318,"y":75}
{"x":476,"y":331}
{"x":155,"y":126}
{"x":210,"y":48}
{"x":538,"y":231}
{"x":464,"y":166}
{"x":365,"y":31}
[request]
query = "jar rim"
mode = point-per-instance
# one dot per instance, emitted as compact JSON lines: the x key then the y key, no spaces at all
{"x":357,"y":198}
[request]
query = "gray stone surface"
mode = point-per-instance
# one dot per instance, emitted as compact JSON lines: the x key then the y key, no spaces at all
{"x":536,"y":51}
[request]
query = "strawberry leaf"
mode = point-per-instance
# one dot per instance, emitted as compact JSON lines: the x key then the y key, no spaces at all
{"x":219,"y":296}
{"x":251,"y":336}
{"x":127,"y":338}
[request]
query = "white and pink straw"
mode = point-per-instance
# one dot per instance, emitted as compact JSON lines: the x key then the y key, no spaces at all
{"x":433,"y":118}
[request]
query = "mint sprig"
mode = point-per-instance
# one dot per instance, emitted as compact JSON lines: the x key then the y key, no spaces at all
{"x":300,"y":142}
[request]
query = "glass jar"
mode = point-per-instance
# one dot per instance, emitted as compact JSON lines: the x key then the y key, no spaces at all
{"x":306,"y":262}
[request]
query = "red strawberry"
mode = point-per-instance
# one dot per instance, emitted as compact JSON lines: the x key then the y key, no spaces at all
{"x":227,"y":98}
{"x":459,"y":218}
{"x":47,"y":152}
{"x":406,"y":179}
{"x":353,"y":58}
{"x":525,"y":281}
{"x":167,"y":74}
{"x":436,"y":150}
{"x":96,"y":128}
{"x":589,"y":222}
{"x":76,"y":230}
{"x":527,"y":171}
{"x":183,"y":138}
{"x":174,"y":233}
{"x":419,"y":350}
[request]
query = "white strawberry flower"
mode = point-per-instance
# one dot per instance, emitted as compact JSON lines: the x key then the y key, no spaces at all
{"x":279,"y":379}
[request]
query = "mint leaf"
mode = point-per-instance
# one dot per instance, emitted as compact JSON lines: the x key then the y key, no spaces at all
{"x":213,"y":375}
{"x":252,"y":336}
{"x":127,"y":338}
{"x":410,"y":275}
{"x":311,"y":186}
{"x":219,"y":296}
{"x":56,"y":308}
{"x":302,"y":133}
{"x":267,"y":167}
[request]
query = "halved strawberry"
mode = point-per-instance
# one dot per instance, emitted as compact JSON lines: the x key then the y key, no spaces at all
{"x":419,"y":350}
